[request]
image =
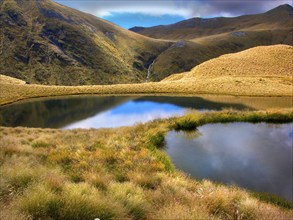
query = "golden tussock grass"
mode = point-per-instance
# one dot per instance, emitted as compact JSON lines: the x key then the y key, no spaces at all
{"x":118,"y":173}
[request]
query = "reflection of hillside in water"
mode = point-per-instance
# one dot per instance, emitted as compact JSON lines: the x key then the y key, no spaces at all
{"x":194,"y":102}
{"x":56,"y":113}
{"x":253,"y":102}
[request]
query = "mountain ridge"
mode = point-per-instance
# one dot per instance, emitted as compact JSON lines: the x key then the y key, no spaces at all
{"x":198,"y":40}
{"x":197,"y":22}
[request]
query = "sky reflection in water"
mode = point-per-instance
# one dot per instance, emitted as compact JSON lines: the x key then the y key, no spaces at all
{"x":129,"y":113}
{"x":254,"y":156}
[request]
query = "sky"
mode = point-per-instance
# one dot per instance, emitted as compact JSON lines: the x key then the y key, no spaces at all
{"x":149,"y":13}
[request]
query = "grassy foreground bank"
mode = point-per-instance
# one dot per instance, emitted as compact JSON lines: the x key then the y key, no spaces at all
{"x":118,"y":174}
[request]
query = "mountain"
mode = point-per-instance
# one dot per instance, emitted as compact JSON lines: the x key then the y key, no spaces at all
{"x":137,"y":29}
{"x":279,"y":17}
{"x":47,"y":43}
{"x":199,"y":40}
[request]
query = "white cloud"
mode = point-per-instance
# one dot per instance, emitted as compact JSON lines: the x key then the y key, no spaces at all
{"x":184,"y":8}
{"x":160,"y":8}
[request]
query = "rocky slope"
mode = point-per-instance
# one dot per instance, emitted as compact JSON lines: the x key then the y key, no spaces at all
{"x":44,"y":42}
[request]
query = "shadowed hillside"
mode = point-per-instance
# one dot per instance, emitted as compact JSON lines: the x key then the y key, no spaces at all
{"x":56,"y":113}
{"x":44,"y":42}
{"x":199,"y":40}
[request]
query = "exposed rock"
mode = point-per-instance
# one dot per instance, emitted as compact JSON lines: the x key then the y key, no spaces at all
{"x":110,"y":35}
{"x":238,"y":34}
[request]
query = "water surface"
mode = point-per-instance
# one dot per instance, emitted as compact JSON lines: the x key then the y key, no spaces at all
{"x":254,"y":156}
{"x":115,"y":111}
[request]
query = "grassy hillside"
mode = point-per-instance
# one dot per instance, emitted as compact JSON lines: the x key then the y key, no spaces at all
{"x":10,"y":80}
{"x":44,"y":42}
{"x":120,"y":174}
{"x":199,"y":40}
{"x":260,"y":71}
{"x":261,"y":63}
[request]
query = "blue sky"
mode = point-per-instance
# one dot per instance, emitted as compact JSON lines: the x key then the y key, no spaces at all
{"x":129,"y":13}
{"x":128,"y":20}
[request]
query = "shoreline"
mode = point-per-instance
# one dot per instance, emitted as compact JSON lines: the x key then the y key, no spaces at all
{"x":17,"y":93}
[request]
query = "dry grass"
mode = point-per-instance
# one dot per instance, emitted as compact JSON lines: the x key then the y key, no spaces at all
{"x":114,"y":174}
{"x":10,"y":80}
{"x":261,"y":62}
{"x":219,"y":86}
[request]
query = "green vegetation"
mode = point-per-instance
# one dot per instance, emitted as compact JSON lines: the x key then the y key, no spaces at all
{"x":157,"y":140}
{"x":273,"y":199}
{"x":119,"y":173}
{"x":192,"y":120}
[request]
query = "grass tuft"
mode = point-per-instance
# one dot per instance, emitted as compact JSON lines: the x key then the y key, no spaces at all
{"x":157,"y":140}
{"x":81,"y":201}
{"x":273,"y":199}
{"x":40,"y":202}
{"x":41,"y":144}
{"x":132,"y":197}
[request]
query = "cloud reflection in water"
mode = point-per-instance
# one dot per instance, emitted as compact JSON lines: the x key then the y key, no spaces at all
{"x":129,"y":113}
{"x":254,"y":156}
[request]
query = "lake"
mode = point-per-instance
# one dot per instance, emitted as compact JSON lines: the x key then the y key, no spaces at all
{"x":115,"y":111}
{"x":254,"y":156}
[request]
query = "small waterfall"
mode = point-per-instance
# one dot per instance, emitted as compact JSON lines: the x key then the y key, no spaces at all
{"x":149,"y":69}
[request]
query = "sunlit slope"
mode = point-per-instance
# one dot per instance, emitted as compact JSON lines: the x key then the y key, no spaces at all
{"x":199,"y":40}
{"x":45,"y":42}
{"x":265,"y":69}
{"x":10,"y":80}
{"x":264,"y":61}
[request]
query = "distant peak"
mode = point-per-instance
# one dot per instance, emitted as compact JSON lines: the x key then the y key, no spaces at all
{"x":285,"y":7}
{"x":136,"y":28}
